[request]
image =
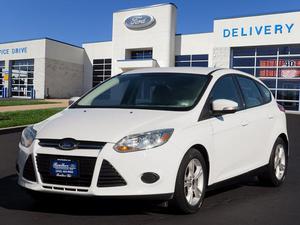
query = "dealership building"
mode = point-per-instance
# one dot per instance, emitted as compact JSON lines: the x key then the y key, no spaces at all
{"x":266,"y":46}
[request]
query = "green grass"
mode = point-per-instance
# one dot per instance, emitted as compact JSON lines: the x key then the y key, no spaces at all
{"x":13,"y":102}
{"x":17,"y":118}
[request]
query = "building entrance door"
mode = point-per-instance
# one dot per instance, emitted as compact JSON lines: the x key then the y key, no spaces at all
{"x":2,"y":65}
{"x":22,"y":72}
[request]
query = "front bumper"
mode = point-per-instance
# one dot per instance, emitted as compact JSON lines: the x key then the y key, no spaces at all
{"x":130,"y":167}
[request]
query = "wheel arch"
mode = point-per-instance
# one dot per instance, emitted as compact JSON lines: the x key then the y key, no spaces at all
{"x":284,"y":137}
{"x":204,"y":153}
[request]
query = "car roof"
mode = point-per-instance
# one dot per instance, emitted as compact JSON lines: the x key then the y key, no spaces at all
{"x":216,"y":72}
{"x":195,"y":70}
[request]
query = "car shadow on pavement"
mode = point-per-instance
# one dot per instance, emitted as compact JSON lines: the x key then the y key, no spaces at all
{"x":14,"y":197}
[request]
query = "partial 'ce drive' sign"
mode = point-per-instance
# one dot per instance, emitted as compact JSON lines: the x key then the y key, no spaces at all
{"x":139,"y":22}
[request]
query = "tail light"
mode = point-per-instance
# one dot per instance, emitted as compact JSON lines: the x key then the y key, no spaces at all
{"x":281,"y":108}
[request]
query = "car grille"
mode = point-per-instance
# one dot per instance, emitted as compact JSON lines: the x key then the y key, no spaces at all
{"x":86,"y":169}
{"x":55,"y":143}
{"x":109,"y":176}
{"x":28,"y":172}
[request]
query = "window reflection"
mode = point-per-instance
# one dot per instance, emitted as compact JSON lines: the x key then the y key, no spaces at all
{"x":277,"y":66}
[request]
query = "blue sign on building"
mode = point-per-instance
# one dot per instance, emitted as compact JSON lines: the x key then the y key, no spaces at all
{"x":12,"y":51}
{"x":258,"y":30}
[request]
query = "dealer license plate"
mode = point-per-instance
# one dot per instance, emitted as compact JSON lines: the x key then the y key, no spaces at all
{"x":64,"y":168}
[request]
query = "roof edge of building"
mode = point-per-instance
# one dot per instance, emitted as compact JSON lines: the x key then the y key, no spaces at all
{"x":96,"y":42}
{"x":62,"y":42}
{"x":195,"y":33}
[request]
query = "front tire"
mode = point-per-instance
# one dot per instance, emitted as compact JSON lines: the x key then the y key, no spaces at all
{"x":276,"y":170}
{"x":191,"y":183}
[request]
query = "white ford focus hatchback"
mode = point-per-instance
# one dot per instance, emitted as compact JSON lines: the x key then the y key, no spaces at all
{"x":167,"y":133}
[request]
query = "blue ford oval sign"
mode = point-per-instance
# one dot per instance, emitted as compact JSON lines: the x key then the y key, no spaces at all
{"x":139,"y":22}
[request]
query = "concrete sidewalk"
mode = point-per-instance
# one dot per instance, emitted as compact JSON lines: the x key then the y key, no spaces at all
{"x":61,"y":103}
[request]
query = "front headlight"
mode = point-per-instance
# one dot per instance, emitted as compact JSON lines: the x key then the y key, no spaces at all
{"x":28,"y":136}
{"x":143,"y":141}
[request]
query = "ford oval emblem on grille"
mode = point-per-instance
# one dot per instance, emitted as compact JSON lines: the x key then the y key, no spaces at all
{"x":139,"y":22}
{"x":68,"y":144}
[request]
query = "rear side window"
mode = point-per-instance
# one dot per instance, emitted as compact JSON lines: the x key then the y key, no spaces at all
{"x":225,"y":88}
{"x":266,"y":94}
{"x":250,"y":92}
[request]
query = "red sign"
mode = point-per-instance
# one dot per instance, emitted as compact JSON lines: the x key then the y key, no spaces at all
{"x":287,"y":70}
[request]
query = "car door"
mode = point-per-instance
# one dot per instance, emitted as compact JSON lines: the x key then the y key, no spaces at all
{"x":229,"y":136}
{"x":259,"y":122}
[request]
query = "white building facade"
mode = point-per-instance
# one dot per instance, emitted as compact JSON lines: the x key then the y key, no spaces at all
{"x":266,"y":46}
{"x":42,"y":68}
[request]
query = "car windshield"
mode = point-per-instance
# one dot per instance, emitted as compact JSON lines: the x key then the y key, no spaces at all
{"x":169,"y":91}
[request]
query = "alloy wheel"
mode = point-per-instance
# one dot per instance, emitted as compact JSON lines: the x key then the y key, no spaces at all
{"x":193,"y":182}
{"x":279,"y":162}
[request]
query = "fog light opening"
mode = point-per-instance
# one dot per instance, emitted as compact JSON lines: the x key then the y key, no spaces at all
{"x":149,"y":177}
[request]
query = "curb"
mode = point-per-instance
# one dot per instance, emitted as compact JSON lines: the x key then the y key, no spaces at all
{"x":12,"y":129}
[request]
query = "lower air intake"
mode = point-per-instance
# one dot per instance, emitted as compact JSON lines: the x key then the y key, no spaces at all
{"x":109,"y":176}
{"x":28,"y":172}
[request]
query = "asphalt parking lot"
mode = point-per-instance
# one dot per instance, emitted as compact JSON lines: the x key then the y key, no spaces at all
{"x":242,"y":203}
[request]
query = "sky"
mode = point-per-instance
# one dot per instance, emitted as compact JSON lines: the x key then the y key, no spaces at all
{"x":83,"y":21}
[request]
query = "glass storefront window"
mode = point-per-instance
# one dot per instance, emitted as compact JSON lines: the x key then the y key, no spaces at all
{"x":247,"y":62}
{"x":294,"y":50}
{"x":199,"y":57}
{"x":277,"y":66}
{"x":141,"y":54}
{"x":2,"y":65}
{"x":288,"y":83}
{"x":182,"y":58}
{"x":271,"y":83}
{"x":266,"y":51}
{"x":182,"y":64}
{"x":247,"y":70}
{"x":289,"y":73}
{"x":290,"y":105}
{"x":244,"y":52}
{"x":266,"y":62}
{"x":266,"y":73}
{"x":284,"y":50}
{"x":101,"y":70}
{"x":199,"y":60}
{"x":273,"y":93}
{"x":199,"y":64}
{"x":290,"y":95}
{"x":22,"y":74}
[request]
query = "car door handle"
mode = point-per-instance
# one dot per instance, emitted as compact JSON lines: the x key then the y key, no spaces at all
{"x":245,"y":123}
{"x":271,"y":117}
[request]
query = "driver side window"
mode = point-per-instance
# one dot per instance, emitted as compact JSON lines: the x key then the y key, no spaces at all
{"x":225,"y":88}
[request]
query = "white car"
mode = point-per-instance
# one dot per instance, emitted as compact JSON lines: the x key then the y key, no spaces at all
{"x":166,"y":133}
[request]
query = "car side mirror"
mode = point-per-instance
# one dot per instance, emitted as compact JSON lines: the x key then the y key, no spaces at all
{"x":224,"y":106}
{"x":73,"y":99}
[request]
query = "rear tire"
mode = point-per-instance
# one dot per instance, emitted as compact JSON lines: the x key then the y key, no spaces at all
{"x":275,"y":172}
{"x":190,"y":184}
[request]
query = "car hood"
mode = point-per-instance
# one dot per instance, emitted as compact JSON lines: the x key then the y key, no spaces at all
{"x":107,"y":125}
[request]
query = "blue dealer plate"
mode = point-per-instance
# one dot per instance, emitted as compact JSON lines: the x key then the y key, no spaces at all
{"x":64,"y":168}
